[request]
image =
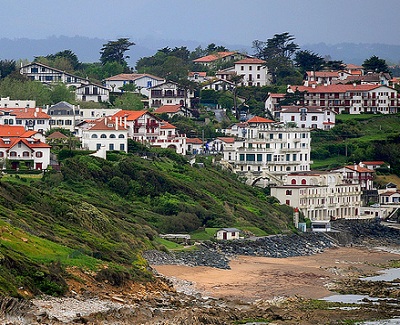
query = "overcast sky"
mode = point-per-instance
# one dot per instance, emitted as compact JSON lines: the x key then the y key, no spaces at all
{"x":205,"y":21}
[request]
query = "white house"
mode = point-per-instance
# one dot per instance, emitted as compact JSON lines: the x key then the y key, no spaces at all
{"x":197,"y":76}
{"x":170,"y":93}
{"x":220,"y":58}
{"x":142,"y":81}
{"x":320,"y":196}
{"x":172,"y":110}
{"x":267,"y":151}
{"x":7,"y":102}
{"x":21,"y":150}
{"x":105,"y":132}
{"x":92,"y":93}
{"x":170,"y":138}
{"x":307,"y":117}
{"x":194,"y":146}
{"x":228,"y":234}
{"x":64,"y":115}
{"x":218,"y":85}
{"x":30,"y":118}
{"x":355,"y":174}
{"x":45,"y":74}
{"x":253,"y":71}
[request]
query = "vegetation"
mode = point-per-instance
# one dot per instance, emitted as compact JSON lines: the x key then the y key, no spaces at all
{"x":103,"y":213}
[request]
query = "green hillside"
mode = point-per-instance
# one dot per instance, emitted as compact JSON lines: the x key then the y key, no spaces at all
{"x":356,"y":138}
{"x":99,"y":215}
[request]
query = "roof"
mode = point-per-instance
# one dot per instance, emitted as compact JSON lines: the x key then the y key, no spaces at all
{"x":28,"y":113}
{"x":276,"y":95}
{"x":226,"y":139}
{"x":58,"y":70}
{"x":11,"y":131}
{"x":30,"y":143}
{"x":334,"y":88}
{"x":62,"y":104}
{"x":200,"y":73}
{"x":194,"y":141}
{"x":107,"y":124}
{"x":131,"y":77}
{"x":390,"y":193}
{"x":130,"y":115}
{"x":359,"y":169}
{"x":214,"y":57}
{"x":57,"y":135}
{"x":230,"y":229}
{"x":296,"y":109}
{"x":258,"y":119}
{"x":168,"y":109}
{"x":250,"y":61}
{"x":323,"y":74}
{"x":166,"y":125}
{"x":373,"y":163}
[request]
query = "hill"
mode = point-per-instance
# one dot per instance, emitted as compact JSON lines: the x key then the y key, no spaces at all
{"x":99,"y":216}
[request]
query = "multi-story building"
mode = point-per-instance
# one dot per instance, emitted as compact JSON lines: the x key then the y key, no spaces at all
{"x":219,"y":59}
{"x":45,"y":74}
{"x":170,"y":93}
{"x":64,"y":115}
{"x":307,"y":117}
{"x":268,"y":151}
{"x":34,"y":119}
{"x":353,"y":99}
{"x":92,"y":93}
{"x":253,"y":71}
{"x":7,"y":102}
{"x":320,"y":196}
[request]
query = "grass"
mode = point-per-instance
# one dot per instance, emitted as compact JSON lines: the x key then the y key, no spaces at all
{"x":329,"y":162}
{"x":43,"y":251}
{"x":205,"y":234}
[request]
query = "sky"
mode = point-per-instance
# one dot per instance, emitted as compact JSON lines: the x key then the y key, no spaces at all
{"x":206,"y":21}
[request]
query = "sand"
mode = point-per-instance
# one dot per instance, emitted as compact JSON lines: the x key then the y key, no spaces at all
{"x":251,"y":278}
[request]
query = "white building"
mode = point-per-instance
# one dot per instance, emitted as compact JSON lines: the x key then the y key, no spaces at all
{"x":92,"y":93}
{"x":34,"y":119}
{"x":45,"y":74}
{"x":64,"y":115}
{"x":320,"y":196}
{"x":228,"y":234}
{"x":269,"y":151}
{"x":307,"y":117}
{"x":106,"y":132}
{"x":170,"y":93}
{"x":6,"y":102}
{"x":142,"y":81}
{"x":170,"y":138}
{"x":254,"y":72}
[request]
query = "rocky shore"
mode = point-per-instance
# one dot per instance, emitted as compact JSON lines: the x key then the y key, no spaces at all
{"x":175,"y":301}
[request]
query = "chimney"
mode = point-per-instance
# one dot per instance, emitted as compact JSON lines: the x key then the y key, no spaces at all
{"x":125,"y":121}
{"x":105,"y":120}
{"x":116,"y":123}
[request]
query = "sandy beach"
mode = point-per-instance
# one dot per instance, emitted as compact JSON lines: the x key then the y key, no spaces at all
{"x":251,"y":278}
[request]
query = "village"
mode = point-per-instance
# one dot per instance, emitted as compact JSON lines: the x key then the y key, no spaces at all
{"x":272,"y":151}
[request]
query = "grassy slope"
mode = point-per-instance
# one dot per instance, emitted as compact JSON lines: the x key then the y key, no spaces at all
{"x":99,"y":212}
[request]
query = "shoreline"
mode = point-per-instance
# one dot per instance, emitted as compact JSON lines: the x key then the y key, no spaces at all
{"x":252,"y":278}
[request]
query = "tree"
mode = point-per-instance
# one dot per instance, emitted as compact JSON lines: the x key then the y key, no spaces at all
{"x":129,"y":101}
{"x":375,"y":64}
{"x":212,"y":48}
{"x":308,"y":61}
{"x":6,"y":67}
{"x":60,"y":92}
{"x":114,"y":51}
{"x":236,"y":79}
{"x":277,"y":53}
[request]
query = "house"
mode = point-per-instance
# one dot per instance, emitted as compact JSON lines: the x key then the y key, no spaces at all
{"x":307,"y":117}
{"x":105,"y":132}
{"x":92,"y":93}
{"x":45,"y":74}
{"x":355,"y":174}
{"x":64,"y":115}
{"x":373,"y":165}
{"x":142,"y":81}
{"x":253,"y":71}
{"x":172,"y":110}
{"x":353,"y":98}
{"x":57,"y":139}
{"x":21,"y":150}
{"x":218,"y":85}
{"x":228,"y":234}
{"x":169,"y":138}
{"x":170,"y":93}
{"x":194,"y":146}
{"x":197,"y":76}
{"x":95,"y":113}
{"x":320,"y":196}
{"x":219,"y":59}
{"x":225,"y":74}
{"x":7,"y":102}
{"x":272,"y":103}
{"x":31,"y":118}
{"x":320,"y":77}
{"x":267,"y":151}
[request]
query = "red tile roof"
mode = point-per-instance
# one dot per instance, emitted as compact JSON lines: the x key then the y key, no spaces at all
{"x":250,"y":61}
{"x":214,"y":57}
{"x":373,"y":162}
{"x":360,"y":169}
{"x":334,"y":88}
{"x":107,"y":124}
{"x":194,"y":141}
{"x":201,"y":74}
{"x":227,"y":139}
{"x":323,"y":74}
{"x":57,"y":135}
{"x":7,"y":131}
{"x":130,"y":115}
{"x":166,"y":125}
{"x":168,"y":109}
{"x":258,"y":119}
{"x":28,"y":113}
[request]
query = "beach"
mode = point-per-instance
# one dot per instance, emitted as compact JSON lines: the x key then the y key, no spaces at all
{"x":253,"y":278}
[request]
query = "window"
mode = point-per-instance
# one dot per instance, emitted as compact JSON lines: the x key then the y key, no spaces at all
{"x":68,"y":122}
{"x":292,"y":118}
{"x":25,"y":154}
{"x":259,"y":157}
{"x":34,"y":70}
{"x":48,"y":78}
{"x":269,"y":157}
{"x":94,"y":136}
{"x":111,"y":146}
{"x":103,"y":136}
{"x":242,"y":68}
{"x":241,"y":157}
{"x":293,"y":182}
{"x":288,"y":192}
{"x":13,"y":154}
{"x":314,"y":118}
{"x":122,"y":147}
{"x":39,"y":154}
{"x":112,"y":136}
{"x":250,"y":157}
{"x":1,"y":154}
{"x":121,"y":136}
{"x":303,"y":182}
{"x":250,"y":68}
